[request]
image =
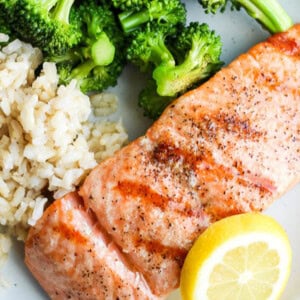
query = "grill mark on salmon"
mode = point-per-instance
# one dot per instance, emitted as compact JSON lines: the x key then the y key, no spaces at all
{"x":205,"y":165}
{"x":165,"y":252}
{"x":230,"y":146}
{"x":130,"y":190}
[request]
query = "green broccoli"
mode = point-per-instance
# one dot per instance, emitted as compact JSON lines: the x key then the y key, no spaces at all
{"x":51,"y":25}
{"x":148,"y":48}
{"x":4,"y":27}
{"x":193,"y":56}
{"x":169,"y":12}
{"x":98,"y":60}
{"x":212,"y":6}
{"x":198,"y":51}
{"x":152,"y":103}
{"x":268,"y":12}
{"x":125,"y":4}
{"x":178,"y":59}
{"x":5,"y":14}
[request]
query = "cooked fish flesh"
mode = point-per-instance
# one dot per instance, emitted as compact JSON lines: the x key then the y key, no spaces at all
{"x":73,"y":258}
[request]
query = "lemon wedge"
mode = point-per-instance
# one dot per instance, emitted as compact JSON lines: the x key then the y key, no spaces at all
{"x":243,"y":257}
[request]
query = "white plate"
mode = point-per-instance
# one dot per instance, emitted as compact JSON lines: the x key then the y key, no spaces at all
{"x":238,"y":33}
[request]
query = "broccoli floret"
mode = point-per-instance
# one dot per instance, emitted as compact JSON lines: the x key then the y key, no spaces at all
{"x":169,"y":12}
{"x":4,"y":27}
{"x":5,"y":15}
{"x":212,"y":6}
{"x":178,"y":59}
{"x":268,"y":12}
{"x":148,"y":48}
{"x":152,"y":103}
{"x":98,"y":60}
{"x":125,"y":4}
{"x":51,"y":25}
{"x":102,"y":77}
{"x":198,"y":52}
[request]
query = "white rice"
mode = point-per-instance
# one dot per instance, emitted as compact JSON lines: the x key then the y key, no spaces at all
{"x":47,"y":143}
{"x":104,"y":104}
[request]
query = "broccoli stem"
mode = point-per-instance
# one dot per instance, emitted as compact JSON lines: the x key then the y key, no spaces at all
{"x":103,"y":51}
{"x":83,"y":70}
{"x":160,"y":54}
{"x":131,"y":19}
{"x":268,"y":12}
{"x":62,"y":10}
{"x":48,"y":4}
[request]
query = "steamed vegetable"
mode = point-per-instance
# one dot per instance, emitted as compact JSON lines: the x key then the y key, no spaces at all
{"x":177,"y":60}
{"x":148,"y":47}
{"x":6,"y":14}
{"x":169,"y":12}
{"x":198,"y":51}
{"x":152,"y":103}
{"x":268,"y":12}
{"x":97,"y":61}
{"x":51,"y":25}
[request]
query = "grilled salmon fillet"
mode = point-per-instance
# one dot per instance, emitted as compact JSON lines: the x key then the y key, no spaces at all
{"x":73,"y":258}
{"x":230,"y":146}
